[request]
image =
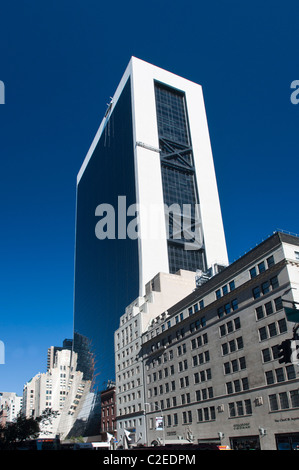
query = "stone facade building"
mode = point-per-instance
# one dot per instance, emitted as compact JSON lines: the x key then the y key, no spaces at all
{"x":211,"y":365}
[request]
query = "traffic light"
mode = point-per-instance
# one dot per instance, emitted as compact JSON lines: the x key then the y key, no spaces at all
{"x":285,"y":352}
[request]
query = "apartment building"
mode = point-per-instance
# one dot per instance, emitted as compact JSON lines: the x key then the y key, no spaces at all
{"x":10,"y":406}
{"x":108,"y":409}
{"x":211,"y":365}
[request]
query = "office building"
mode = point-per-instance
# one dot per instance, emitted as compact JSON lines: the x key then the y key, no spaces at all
{"x":211,"y":365}
{"x":147,"y":202}
{"x":160,"y":294}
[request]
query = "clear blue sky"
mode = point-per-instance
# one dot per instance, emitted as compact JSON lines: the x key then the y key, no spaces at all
{"x":60,"y":62}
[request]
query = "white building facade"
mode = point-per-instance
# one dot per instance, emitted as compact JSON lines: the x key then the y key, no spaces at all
{"x":161,"y":291}
{"x":11,"y":403}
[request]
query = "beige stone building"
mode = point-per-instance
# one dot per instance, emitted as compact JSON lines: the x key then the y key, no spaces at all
{"x":210,"y":362}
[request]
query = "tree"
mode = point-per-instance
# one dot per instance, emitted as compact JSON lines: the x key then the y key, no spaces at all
{"x":23,"y":429}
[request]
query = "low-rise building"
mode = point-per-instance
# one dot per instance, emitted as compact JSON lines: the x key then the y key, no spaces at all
{"x":108,"y":410}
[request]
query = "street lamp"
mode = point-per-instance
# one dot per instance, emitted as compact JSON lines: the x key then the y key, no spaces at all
{"x":162,"y":416}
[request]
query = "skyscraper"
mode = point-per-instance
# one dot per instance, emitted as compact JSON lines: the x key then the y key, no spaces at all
{"x":147,"y":202}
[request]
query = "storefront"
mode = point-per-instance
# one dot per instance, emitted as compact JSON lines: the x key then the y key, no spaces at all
{"x":245,"y":443}
{"x":287,"y":441}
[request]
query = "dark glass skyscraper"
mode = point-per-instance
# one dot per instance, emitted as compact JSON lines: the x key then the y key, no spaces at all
{"x":152,"y":150}
{"x":178,"y":172}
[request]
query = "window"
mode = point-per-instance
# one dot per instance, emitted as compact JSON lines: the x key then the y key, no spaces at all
{"x":278,"y":303}
{"x":294,"y":396}
{"x":284,"y":401}
{"x":265,"y":287}
{"x":240,"y":408}
{"x":291,"y":373}
{"x":266,"y":355}
{"x":273,"y":403}
{"x":231,"y":410}
{"x":282,"y":325}
{"x":227,"y":308}
{"x":230,"y":326}
{"x":206,"y":414}
{"x":232,"y":285}
{"x":272,"y":329}
{"x":270,"y":261}
{"x":256,"y":292}
{"x":252,"y":272}
{"x":268,"y":308}
{"x":259,"y":312}
{"x":274,"y":282}
{"x":261,"y":267}
{"x":269,"y":377}
{"x":225,"y":290}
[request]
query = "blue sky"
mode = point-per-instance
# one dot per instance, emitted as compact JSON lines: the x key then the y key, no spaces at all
{"x":60,"y":62}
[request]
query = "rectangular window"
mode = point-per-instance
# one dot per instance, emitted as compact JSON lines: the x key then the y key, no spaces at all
{"x":278,"y":303}
{"x":284,"y":401}
{"x":252,"y":272}
{"x":220,"y":312}
{"x":266,"y":355}
{"x":231,"y":410}
{"x":274,"y":282}
{"x":259,"y":312}
{"x":270,"y":261}
{"x":294,"y":396}
{"x":256,"y":292}
{"x":240,"y":408}
{"x":262,"y":267}
{"x":248,"y":407}
{"x":232,"y":285}
{"x":263,"y":333}
{"x":272,"y":329}
{"x":273,"y":403}
{"x":282,"y":325}
{"x":268,"y":308}
{"x":265,"y":287}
